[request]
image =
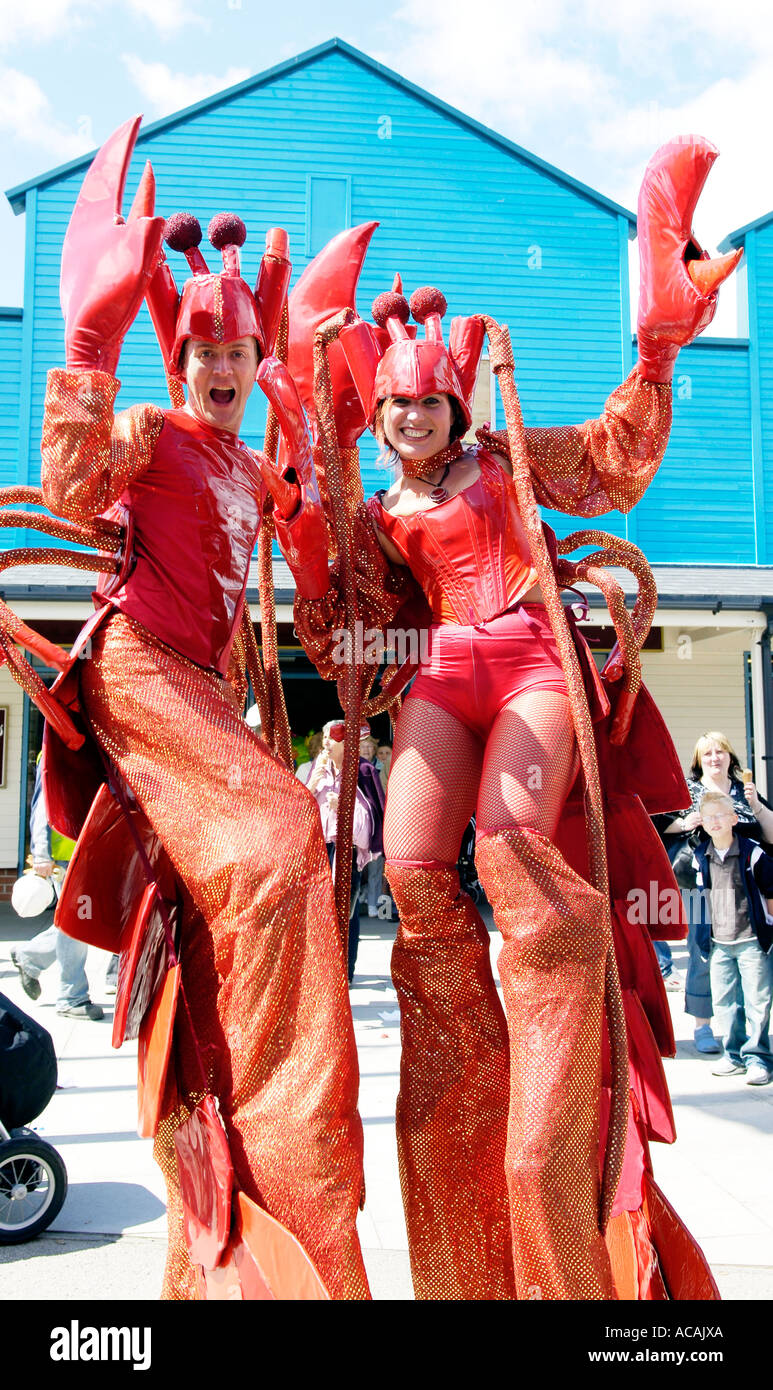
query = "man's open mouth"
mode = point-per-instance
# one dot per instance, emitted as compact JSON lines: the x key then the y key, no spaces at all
{"x":222,"y":397}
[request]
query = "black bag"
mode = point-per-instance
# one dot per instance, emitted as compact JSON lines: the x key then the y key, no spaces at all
{"x":27,"y":1066}
{"x":680,"y":855}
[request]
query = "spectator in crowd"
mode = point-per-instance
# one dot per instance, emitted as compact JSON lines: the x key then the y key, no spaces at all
{"x":373,"y":784}
{"x":377,"y":889}
{"x":737,"y":877}
{"x":384,"y":762}
{"x":51,"y":852}
{"x":324,"y":782}
{"x":314,"y":748}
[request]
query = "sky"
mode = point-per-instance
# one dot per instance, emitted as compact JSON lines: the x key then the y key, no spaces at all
{"x":591,"y":86}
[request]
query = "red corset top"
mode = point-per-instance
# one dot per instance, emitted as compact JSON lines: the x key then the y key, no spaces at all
{"x":470,"y":553}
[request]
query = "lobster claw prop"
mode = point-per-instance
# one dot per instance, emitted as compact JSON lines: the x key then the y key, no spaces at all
{"x":299,"y":520}
{"x":679,"y":282}
{"x":107,"y":261}
{"x":327,"y":287}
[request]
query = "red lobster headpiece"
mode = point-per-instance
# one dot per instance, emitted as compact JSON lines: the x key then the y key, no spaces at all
{"x":370,"y":361}
{"x":222,"y":307}
{"x":410,"y":367}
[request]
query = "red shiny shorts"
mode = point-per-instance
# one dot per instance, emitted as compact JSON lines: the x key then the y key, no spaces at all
{"x":474,"y":672}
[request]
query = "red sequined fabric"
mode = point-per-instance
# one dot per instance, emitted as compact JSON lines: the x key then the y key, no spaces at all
{"x":262,"y":964}
{"x":90,"y":456}
{"x":602,"y":465}
{"x":552,"y":971}
{"x":452,"y":1107}
{"x":382,"y":589}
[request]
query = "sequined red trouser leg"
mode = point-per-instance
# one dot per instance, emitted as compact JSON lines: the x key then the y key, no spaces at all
{"x":452,"y":1108}
{"x":552,"y":973}
{"x":262,"y":965}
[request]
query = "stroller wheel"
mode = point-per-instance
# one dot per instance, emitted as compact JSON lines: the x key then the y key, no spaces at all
{"x":33,"y":1186}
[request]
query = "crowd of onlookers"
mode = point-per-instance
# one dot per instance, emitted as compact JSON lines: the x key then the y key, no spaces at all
{"x":321,"y":772}
{"x":721,"y":852}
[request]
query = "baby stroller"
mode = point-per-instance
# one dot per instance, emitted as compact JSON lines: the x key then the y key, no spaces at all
{"x":33,"y":1178}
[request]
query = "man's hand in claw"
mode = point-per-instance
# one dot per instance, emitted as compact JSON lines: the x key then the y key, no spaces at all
{"x":106,"y":261}
{"x":300,"y":524}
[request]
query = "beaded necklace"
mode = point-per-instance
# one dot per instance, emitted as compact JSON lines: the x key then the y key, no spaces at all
{"x":416,"y":469}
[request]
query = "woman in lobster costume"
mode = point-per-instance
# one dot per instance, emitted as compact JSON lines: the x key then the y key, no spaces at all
{"x":266,"y":1028}
{"x":522,"y":1132}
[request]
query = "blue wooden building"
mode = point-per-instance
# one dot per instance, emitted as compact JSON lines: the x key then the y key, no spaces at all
{"x":331,"y":139}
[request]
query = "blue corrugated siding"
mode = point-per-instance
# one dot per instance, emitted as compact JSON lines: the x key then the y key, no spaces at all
{"x":10,"y":385}
{"x":701,"y":503}
{"x":494,"y":232}
{"x":762,"y":290}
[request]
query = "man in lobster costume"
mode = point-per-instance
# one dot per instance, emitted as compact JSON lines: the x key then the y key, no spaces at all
{"x":230,"y":836}
{"x":523,"y":1134}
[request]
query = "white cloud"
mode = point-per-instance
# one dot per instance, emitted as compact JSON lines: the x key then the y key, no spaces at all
{"x":595,"y":87}
{"x":169,"y":91}
{"x":25,"y":114}
{"x":504,"y":62}
{"x":735,"y":116}
{"x":41,"y":19}
{"x":168,"y":16}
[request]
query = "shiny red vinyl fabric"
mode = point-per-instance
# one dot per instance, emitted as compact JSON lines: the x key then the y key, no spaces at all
{"x":206,"y":1182}
{"x":195,"y":496}
{"x":469,"y":554}
{"x":475,"y":671}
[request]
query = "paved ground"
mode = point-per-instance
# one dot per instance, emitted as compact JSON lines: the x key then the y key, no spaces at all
{"x":108,"y":1241}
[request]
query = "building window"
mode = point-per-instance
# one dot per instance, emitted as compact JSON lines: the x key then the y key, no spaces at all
{"x":328,"y":209}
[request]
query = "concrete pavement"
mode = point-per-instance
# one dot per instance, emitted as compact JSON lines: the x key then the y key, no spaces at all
{"x":108,"y":1241}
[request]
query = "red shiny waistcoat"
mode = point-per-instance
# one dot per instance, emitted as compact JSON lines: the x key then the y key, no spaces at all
{"x":195,"y":513}
{"x":470,"y":553}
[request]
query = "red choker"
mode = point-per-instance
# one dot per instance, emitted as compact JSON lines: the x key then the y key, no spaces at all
{"x":419,"y":467}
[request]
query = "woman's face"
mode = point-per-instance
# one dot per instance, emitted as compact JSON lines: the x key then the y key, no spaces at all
{"x":417,"y":429}
{"x":715,"y":761}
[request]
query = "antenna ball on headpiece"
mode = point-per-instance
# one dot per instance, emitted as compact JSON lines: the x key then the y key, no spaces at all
{"x":427,"y":301}
{"x":182,"y":232}
{"x":226,"y":229}
{"x":390,"y":306}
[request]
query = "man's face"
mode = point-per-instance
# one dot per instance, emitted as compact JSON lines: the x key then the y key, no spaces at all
{"x":220,"y":377}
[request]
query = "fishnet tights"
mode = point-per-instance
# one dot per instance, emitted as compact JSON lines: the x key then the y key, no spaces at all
{"x":441,"y":774}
